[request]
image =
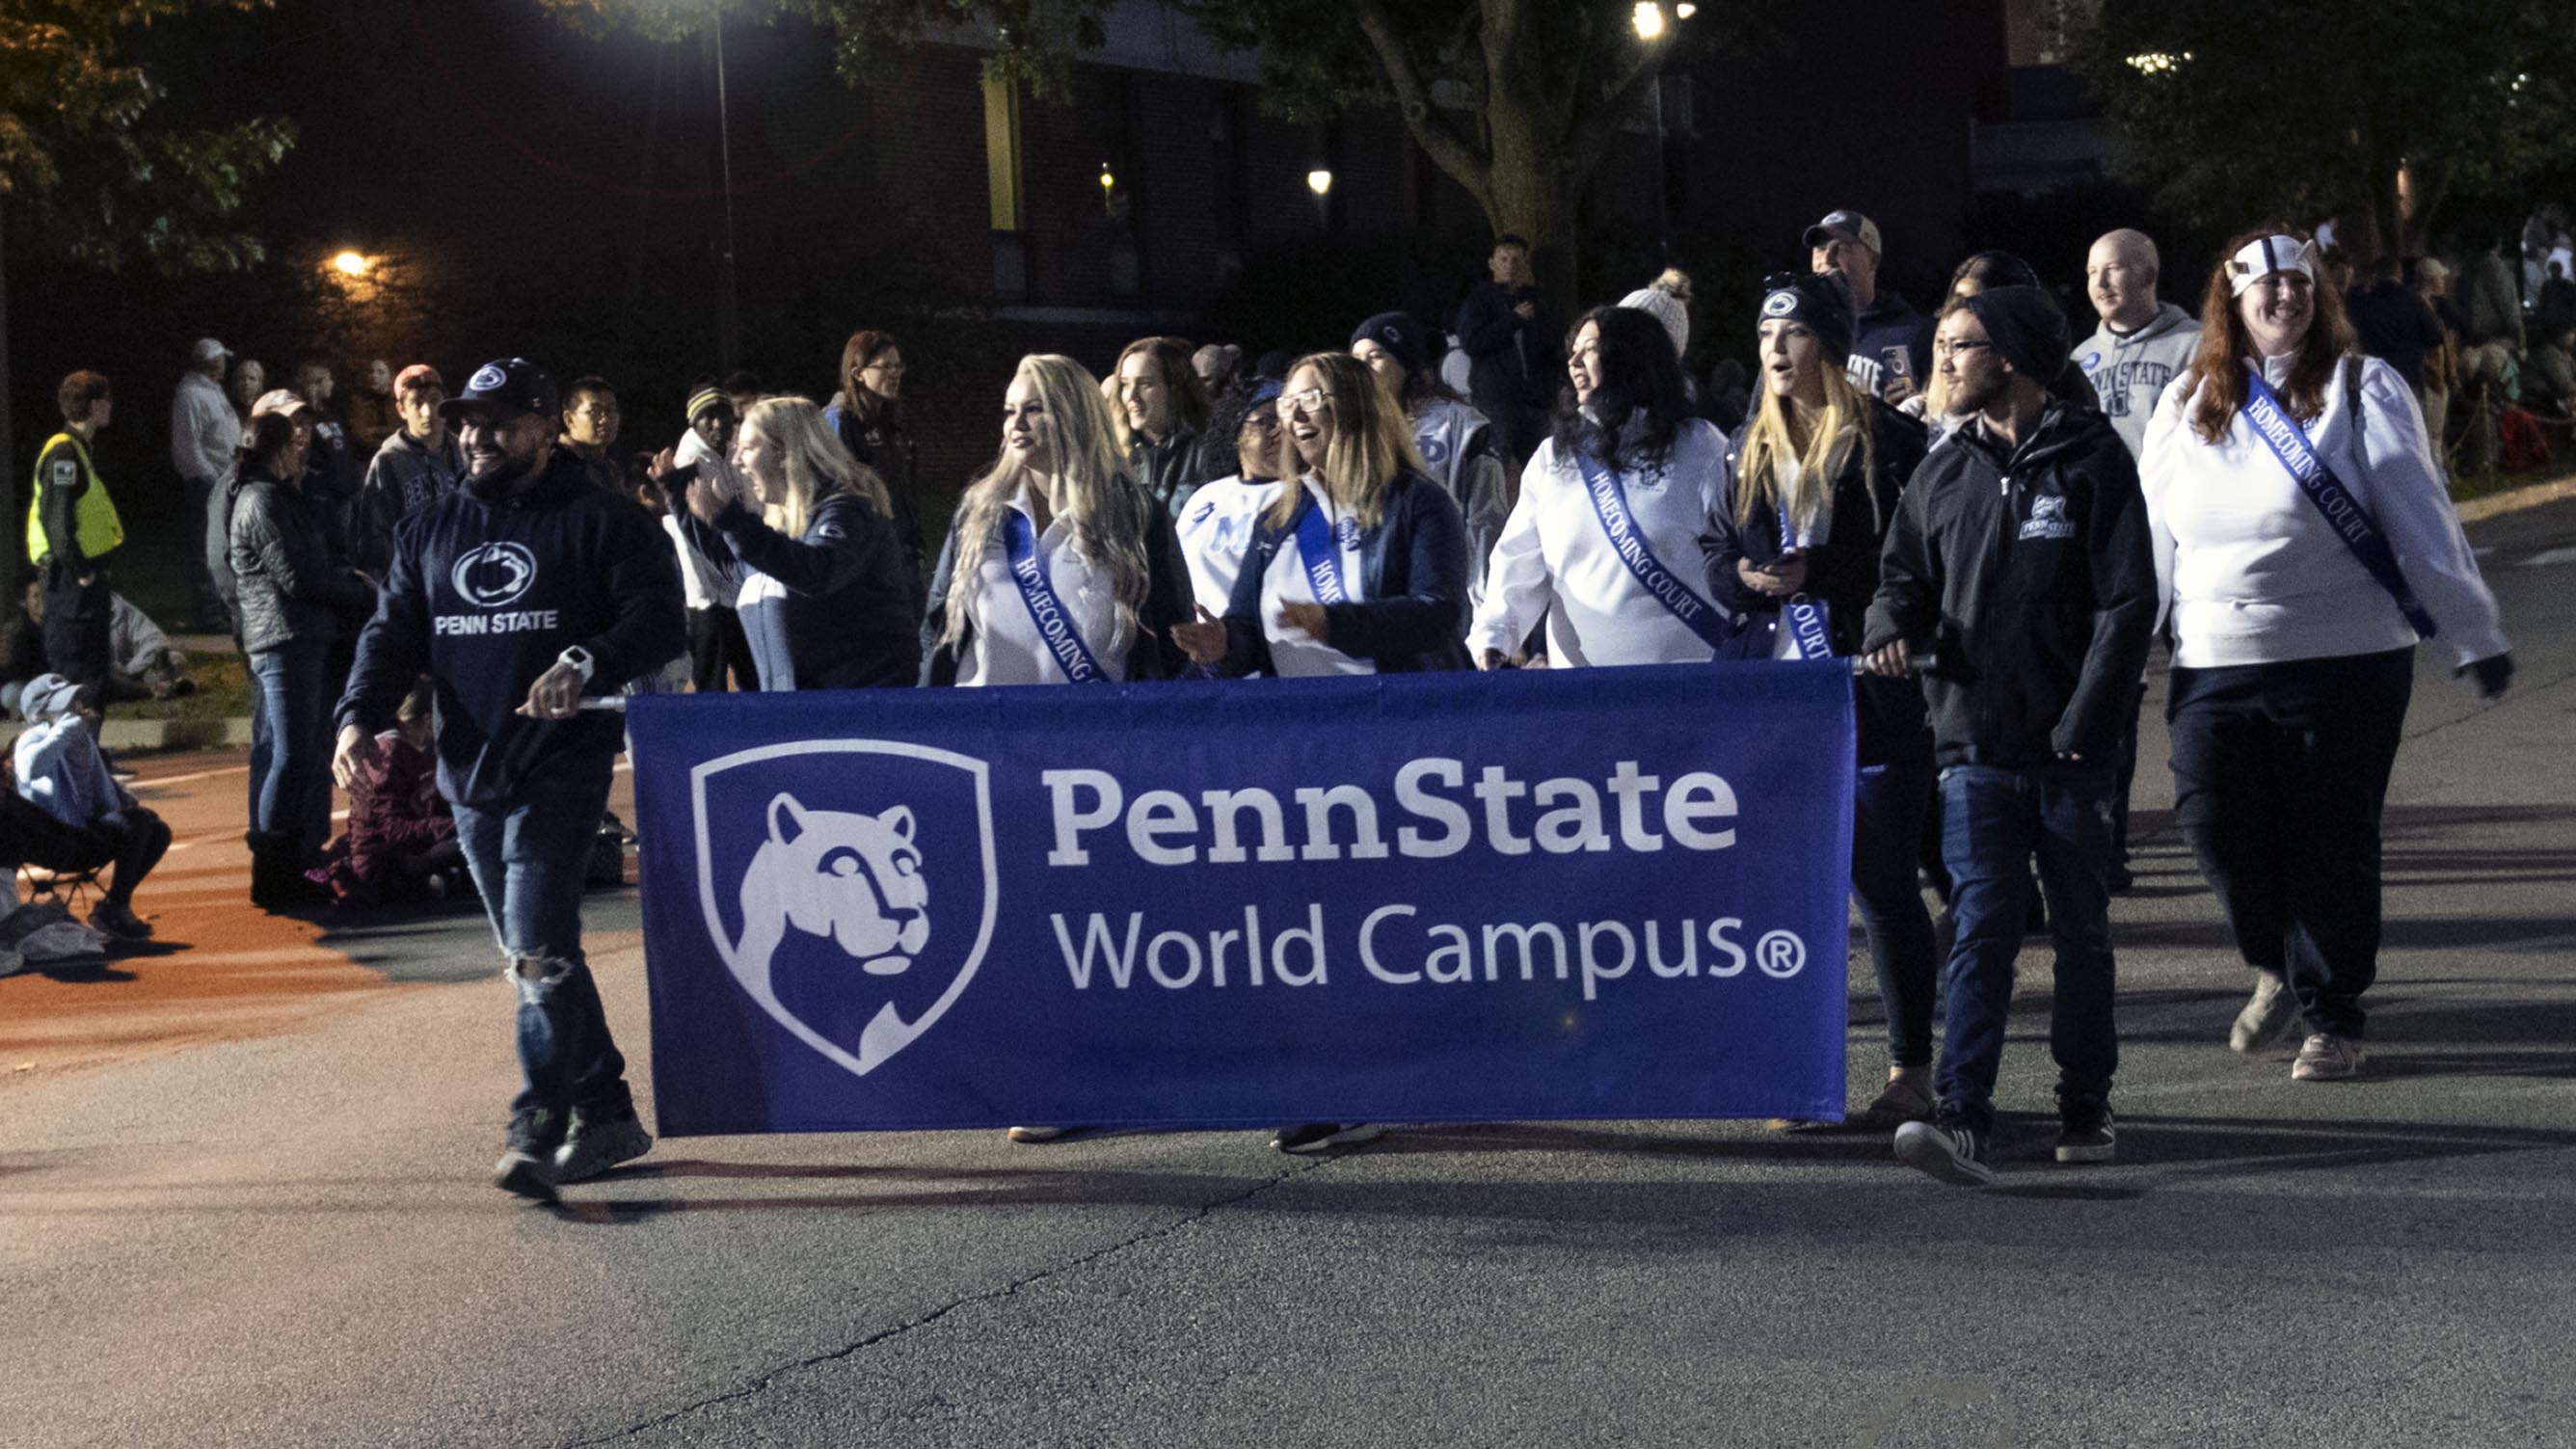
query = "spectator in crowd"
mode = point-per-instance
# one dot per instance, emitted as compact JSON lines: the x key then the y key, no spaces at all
{"x":1891,"y":342}
{"x":331,"y":470}
{"x":74,"y":532}
{"x":1510,"y":348}
{"x":2555,"y":303}
{"x":2442,"y":366}
{"x":2490,"y":316}
{"x":1625,"y":448}
{"x":745,"y":389}
{"x":293,"y":604}
{"x":1162,"y":415}
{"x":219,"y":513}
{"x":1358,"y":568}
{"x":2019,"y":559}
{"x":142,"y":662}
{"x":373,"y":416}
{"x":1218,"y":526}
{"x":718,"y":649}
{"x":1456,"y":442}
{"x":1060,"y":520}
{"x":204,"y":430}
{"x":2549,"y":382}
{"x":591,"y":419}
{"x":2392,"y":323}
{"x":1220,"y":369}
{"x":249,"y":384}
{"x":526,"y":769}
{"x":2294,"y":638}
{"x":1812,"y":482}
{"x":413,"y":469}
{"x":2143,"y":344}
{"x":401,"y":844}
{"x":870,"y":421}
{"x":823,"y":602}
{"x":60,"y":771}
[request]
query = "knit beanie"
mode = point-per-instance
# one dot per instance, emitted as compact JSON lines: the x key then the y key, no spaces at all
{"x":1821,"y":304}
{"x":1399,"y":333}
{"x":2027,"y":328}
{"x":1666,"y":308}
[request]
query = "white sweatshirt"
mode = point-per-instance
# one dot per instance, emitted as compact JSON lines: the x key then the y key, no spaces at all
{"x":2250,"y":572}
{"x":1553,"y":560}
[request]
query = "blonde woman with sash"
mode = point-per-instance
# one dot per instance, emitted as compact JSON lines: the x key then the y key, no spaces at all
{"x":1059,"y":569}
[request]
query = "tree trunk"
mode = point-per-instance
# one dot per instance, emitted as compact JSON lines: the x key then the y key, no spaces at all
{"x":1530,"y":197}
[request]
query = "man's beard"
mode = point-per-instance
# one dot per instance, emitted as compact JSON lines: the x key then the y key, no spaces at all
{"x":495,"y":485}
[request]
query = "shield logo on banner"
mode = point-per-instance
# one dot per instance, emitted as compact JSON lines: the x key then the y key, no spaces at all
{"x":848,"y":885}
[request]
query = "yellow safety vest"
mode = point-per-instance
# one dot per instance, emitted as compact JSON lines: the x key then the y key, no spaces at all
{"x":99,"y":529}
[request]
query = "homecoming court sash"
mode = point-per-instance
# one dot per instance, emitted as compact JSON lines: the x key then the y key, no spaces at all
{"x":2343,"y":512}
{"x":1046,"y":611}
{"x":1610,"y":506}
{"x":1803,"y":617}
{"x":1321,"y":553}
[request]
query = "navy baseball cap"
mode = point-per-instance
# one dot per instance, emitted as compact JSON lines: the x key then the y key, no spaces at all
{"x":508,"y":388}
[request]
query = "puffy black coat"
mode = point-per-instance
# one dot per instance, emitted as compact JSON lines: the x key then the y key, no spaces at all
{"x":287,"y":589}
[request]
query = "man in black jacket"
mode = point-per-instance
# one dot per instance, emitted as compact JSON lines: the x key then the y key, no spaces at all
{"x":1512,"y":366}
{"x":2019,"y":557}
{"x":518,"y":594}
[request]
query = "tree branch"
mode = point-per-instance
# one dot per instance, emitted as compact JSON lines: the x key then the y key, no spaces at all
{"x":1468,"y":164}
{"x":1602,"y":102}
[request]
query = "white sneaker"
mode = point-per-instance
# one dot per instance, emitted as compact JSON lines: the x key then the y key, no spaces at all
{"x":2267,"y":1016}
{"x":2328,"y":1058}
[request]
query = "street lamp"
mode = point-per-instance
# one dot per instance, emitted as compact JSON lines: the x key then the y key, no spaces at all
{"x":1649,"y":20}
{"x":1320,"y":182}
{"x":351,"y":264}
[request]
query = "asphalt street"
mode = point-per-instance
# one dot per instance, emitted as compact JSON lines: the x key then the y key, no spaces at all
{"x":243,"y":1201}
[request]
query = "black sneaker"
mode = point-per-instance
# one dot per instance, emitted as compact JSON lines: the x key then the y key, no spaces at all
{"x":2085,"y":1134}
{"x":119,"y":922}
{"x":1952,"y":1154}
{"x":1308,"y":1137}
{"x":597,"y":1144}
{"x":527,"y":1162}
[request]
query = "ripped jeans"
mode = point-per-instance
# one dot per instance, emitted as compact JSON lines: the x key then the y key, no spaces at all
{"x":529,"y":857}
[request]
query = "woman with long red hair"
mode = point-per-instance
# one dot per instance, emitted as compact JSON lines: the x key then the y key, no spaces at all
{"x":2305,"y":542}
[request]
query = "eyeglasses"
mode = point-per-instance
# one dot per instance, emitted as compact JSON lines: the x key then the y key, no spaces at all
{"x":1262,"y":425}
{"x":1305,"y":400}
{"x":1944,"y":347}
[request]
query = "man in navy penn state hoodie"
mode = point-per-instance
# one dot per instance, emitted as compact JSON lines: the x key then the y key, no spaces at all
{"x":518,"y":594}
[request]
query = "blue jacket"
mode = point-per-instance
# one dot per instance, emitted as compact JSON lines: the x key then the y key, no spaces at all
{"x":484,"y":596}
{"x":844,"y":620}
{"x":1413,"y":569}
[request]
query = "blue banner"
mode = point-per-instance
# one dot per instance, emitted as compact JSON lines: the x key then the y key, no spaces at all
{"x":1407,"y":898}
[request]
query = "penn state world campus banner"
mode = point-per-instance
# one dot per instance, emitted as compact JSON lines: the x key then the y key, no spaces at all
{"x":1464,"y":897}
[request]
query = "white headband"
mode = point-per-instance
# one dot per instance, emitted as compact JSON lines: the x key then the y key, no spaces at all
{"x":2265,"y":255}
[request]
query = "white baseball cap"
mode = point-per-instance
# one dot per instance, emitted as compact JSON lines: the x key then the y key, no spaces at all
{"x":208,"y":350}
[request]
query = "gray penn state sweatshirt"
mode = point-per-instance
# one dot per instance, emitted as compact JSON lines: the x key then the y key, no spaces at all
{"x":2129,"y":372}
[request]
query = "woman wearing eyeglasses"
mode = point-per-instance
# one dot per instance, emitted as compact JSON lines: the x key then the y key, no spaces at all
{"x":1814,"y":479}
{"x":1361,"y":568}
{"x":1607,"y":544}
{"x":868,"y":419}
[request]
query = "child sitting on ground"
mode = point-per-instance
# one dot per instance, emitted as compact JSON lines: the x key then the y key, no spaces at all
{"x":60,"y":771}
{"x":401,"y":843}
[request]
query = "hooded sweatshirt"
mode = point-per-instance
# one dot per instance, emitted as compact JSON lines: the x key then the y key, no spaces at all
{"x":2130,"y":370}
{"x":58,"y":765}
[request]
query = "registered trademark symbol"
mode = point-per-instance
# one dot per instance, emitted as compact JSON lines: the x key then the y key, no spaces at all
{"x":1780,"y":954}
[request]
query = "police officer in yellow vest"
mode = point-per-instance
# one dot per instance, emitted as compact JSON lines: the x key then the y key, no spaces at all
{"x":72,"y":532}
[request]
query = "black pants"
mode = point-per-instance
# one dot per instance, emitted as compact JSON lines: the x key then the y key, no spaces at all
{"x":717,"y":647}
{"x":2280,"y":771}
{"x":139,"y":845}
{"x":76,"y":623}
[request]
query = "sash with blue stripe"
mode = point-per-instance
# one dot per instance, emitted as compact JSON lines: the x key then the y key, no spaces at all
{"x":1321,"y":554}
{"x":1804,"y":615}
{"x":1046,"y":611}
{"x":2343,"y":512}
{"x":1610,"y":506}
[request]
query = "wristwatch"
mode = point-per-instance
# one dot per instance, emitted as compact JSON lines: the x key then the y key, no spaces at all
{"x":578,"y":659}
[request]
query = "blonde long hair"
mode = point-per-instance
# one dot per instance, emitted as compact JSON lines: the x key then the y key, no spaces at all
{"x":1371,"y":441}
{"x":1094,"y":490}
{"x":814,"y":461}
{"x":1770,"y":440}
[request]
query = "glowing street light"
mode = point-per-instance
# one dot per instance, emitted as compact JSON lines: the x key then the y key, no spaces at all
{"x":351,"y":264}
{"x":1650,"y":20}
{"x":1685,"y":10}
{"x":1108,"y":182}
{"x":1320,"y":182}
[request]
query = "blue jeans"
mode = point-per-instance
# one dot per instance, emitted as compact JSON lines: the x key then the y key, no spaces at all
{"x":529,"y":857}
{"x":1993,"y":821}
{"x":1889,"y":805}
{"x":290,"y":758}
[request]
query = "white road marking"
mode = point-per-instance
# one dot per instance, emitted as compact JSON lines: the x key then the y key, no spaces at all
{"x":2552,"y":556}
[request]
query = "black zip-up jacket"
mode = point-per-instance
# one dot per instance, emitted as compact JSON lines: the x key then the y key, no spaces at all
{"x":1167,"y":602}
{"x":1170,"y":469}
{"x":845,"y":621}
{"x":1842,"y":571}
{"x":287,"y":587}
{"x":2032,"y":577}
{"x":485,"y":596}
{"x":890,"y":453}
{"x":1413,"y":569}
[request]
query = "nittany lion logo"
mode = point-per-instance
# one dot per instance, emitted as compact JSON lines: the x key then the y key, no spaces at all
{"x":490,"y":575}
{"x":487,"y":378}
{"x":848,"y":886}
{"x":1780,"y":304}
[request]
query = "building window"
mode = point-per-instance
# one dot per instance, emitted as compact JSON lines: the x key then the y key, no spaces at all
{"x":1002,"y":184}
{"x":1126,"y":199}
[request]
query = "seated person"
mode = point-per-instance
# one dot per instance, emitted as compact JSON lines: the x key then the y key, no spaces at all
{"x":142,"y":664}
{"x":2549,"y":374}
{"x":401,"y":843}
{"x":61,"y":772}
